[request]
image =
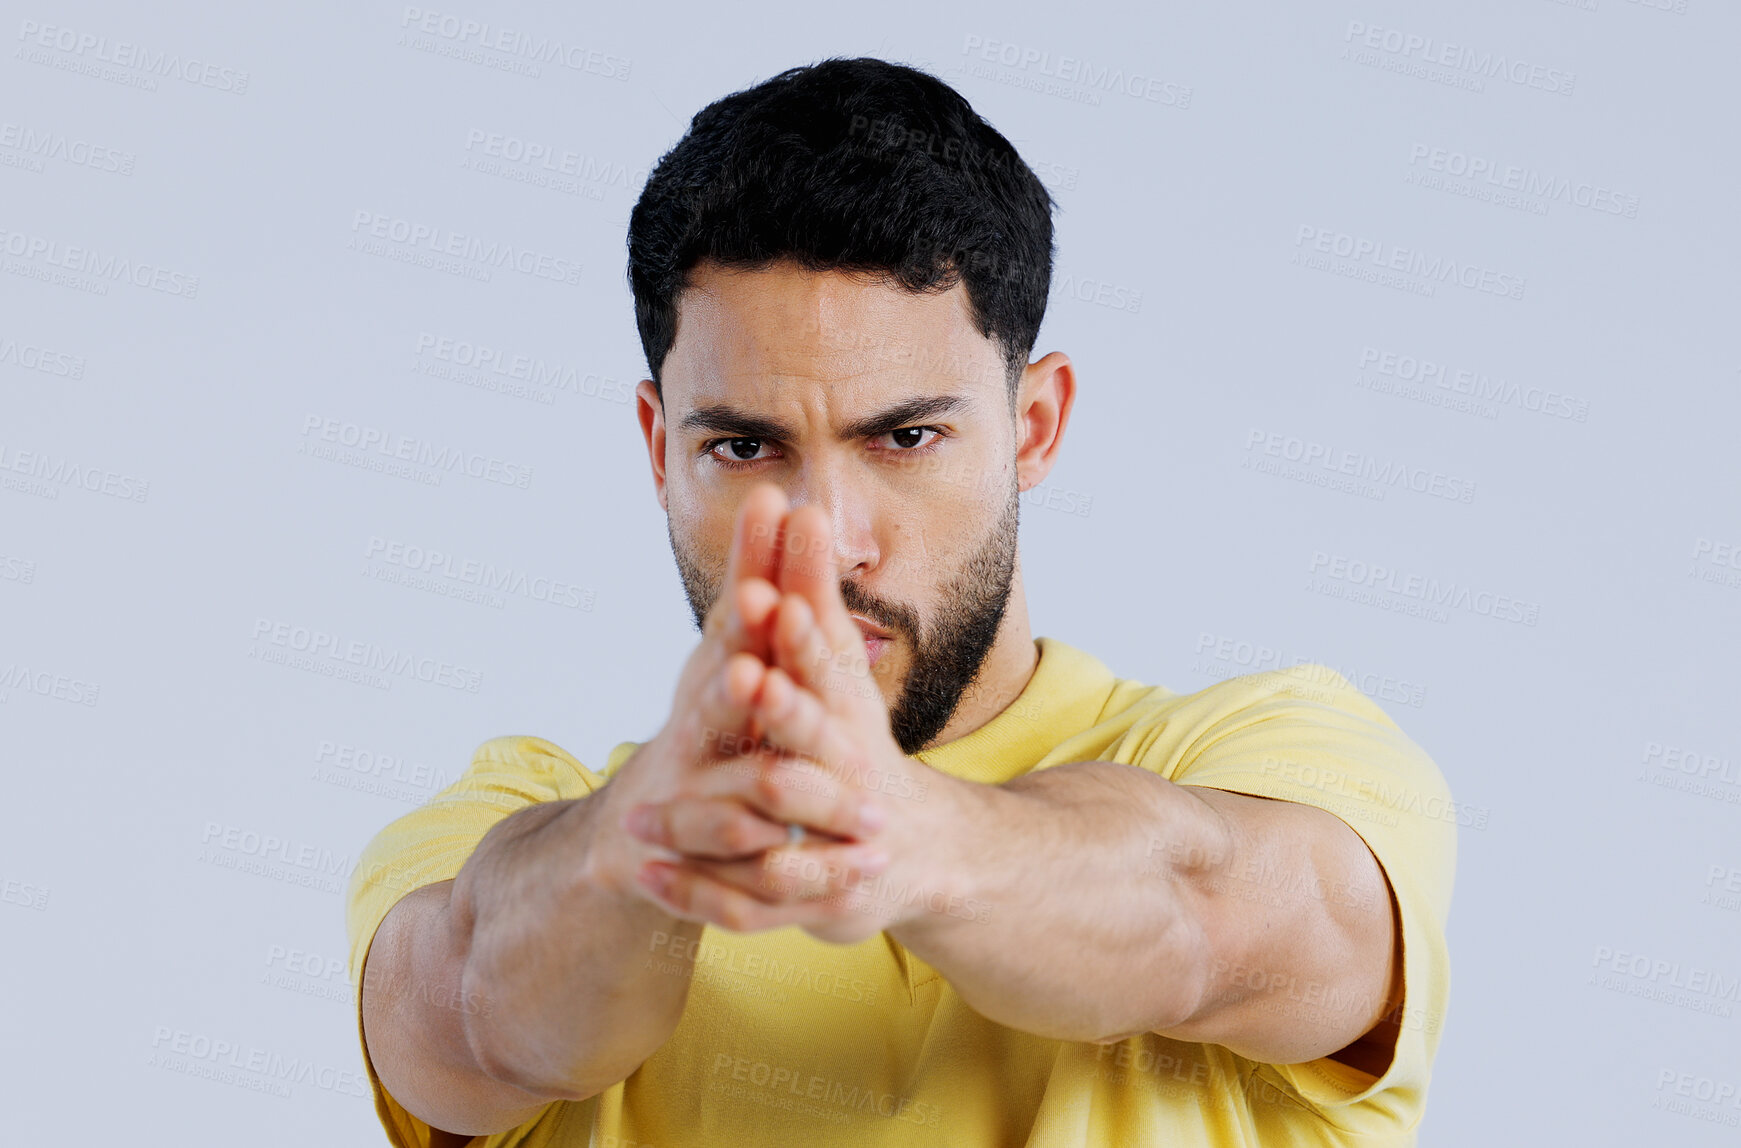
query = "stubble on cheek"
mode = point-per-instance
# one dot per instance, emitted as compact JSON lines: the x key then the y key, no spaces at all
{"x":700,"y":566}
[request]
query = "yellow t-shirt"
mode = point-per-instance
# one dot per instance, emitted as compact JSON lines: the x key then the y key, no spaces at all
{"x":787,"y":1040}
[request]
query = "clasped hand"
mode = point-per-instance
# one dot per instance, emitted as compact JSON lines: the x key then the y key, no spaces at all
{"x":779,"y":721}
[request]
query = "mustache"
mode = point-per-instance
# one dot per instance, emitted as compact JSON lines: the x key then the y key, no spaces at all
{"x":895,"y":618}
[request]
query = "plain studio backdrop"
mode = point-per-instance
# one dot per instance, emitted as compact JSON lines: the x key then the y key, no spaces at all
{"x":1406,"y":335}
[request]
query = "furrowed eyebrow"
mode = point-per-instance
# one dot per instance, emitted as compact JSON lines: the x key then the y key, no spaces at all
{"x":905,"y":414}
{"x":723,"y":419}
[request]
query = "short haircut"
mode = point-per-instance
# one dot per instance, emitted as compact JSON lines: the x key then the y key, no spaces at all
{"x":855,"y":165}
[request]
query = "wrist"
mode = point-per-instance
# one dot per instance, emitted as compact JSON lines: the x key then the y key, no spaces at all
{"x":609,"y":857}
{"x":958,"y":838}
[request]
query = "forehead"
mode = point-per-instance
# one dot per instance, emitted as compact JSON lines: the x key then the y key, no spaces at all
{"x":756,"y":334}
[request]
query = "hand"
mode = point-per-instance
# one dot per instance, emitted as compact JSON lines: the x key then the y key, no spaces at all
{"x":710,"y":713}
{"x":831,"y":762}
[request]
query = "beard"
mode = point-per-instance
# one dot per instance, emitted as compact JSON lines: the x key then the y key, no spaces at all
{"x":946,"y":655}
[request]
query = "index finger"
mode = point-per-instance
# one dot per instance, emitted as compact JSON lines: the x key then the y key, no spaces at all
{"x":755,"y":538}
{"x":808,"y":570}
{"x":754,"y":559}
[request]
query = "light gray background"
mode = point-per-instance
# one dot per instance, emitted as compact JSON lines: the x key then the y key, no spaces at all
{"x":1156,"y":544}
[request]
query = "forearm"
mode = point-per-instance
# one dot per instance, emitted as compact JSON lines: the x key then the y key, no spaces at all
{"x":1092,"y":928}
{"x":1122,"y":903}
{"x":532,"y":979}
{"x":414,"y":1023}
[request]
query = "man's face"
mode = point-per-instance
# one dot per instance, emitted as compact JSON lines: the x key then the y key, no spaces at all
{"x":887,"y":409}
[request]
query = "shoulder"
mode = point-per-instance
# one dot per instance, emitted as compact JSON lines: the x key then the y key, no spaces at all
{"x":1301,"y":689}
{"x":523,"y":749}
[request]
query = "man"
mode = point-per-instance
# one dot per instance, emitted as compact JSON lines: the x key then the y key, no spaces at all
{"x":894,"y":871}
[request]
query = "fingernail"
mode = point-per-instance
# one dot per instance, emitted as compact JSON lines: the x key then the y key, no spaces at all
{"x":871,"y":818}
{"x":658,"y":880}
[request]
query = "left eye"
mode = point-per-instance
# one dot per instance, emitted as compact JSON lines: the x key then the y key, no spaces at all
{"x":909,"y":437}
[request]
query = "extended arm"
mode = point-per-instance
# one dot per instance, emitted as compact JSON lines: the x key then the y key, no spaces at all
{"x":543,"y":971}
{"x":1121,"y":903}
{"x":526,"y":979}
{"x":1088,"y":901}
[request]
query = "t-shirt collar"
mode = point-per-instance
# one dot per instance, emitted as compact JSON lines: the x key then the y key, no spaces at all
{"x":1065,"y":694}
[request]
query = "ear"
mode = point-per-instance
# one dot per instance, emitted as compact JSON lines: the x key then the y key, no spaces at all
{"x":1043,"y":401}
{"x":651,"y":411}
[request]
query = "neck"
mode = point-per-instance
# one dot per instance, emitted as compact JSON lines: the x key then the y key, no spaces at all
{"x":1006,"y":670}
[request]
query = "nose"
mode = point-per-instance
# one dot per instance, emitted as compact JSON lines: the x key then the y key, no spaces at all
{"x":826,"y":484}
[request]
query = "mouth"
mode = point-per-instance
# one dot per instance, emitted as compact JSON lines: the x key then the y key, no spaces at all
{"x":876,"y":639}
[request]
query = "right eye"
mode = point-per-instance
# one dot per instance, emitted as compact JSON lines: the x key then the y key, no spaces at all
{"x":740,"y":451}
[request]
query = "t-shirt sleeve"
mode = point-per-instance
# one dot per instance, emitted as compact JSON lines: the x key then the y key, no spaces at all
{"x":1305,"y":734}
{"x":620,"y":753}
{"x":430,"y":844}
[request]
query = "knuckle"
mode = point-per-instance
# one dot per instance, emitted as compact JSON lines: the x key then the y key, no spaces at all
{"x":737,"y":833}
{"x":771,"y":885}
{"x":677,"y":892}
{"x":803,"y":727}
{"x":851,"y":872}
{"x":771,"y":787}
{"x":734,"y":914}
